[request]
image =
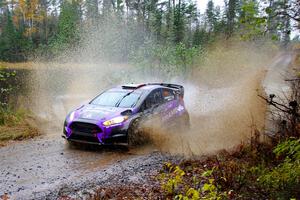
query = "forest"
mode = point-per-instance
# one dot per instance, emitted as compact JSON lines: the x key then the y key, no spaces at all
{"x":46,"y":29}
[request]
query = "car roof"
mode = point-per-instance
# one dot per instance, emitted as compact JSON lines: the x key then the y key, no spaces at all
{"x":144,"y":88}
{"x":137,"y":89}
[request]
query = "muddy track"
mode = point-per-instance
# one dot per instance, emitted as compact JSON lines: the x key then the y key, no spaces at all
{"x":48,"y":168}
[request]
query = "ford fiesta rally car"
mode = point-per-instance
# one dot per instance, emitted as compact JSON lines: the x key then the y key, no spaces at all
{"x":114,"y":115}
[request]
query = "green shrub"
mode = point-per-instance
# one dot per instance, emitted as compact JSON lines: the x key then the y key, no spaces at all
{"x":11,"y":118}
{"x":176,"y":185}
{"x":5,"y":86}
{"x":283,"y":180}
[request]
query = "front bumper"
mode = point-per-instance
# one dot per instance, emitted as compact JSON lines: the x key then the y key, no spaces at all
{"x":109,"y":135}
{"x":81,"y":141}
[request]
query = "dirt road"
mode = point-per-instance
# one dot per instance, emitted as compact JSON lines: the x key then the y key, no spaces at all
{"x":274,"y":83}
{"x":47,"y":167}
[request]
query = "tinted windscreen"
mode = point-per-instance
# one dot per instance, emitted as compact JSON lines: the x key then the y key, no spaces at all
{"x":114,"y":99}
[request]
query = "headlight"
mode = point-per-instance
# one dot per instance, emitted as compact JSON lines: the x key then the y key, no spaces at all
{"x":115,"y":120}
{"x":70,"y":117}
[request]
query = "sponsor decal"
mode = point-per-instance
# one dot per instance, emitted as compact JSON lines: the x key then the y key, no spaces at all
{"x":174,"y":111}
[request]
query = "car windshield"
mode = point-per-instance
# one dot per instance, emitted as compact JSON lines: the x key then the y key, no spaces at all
{"x":117,"y":98}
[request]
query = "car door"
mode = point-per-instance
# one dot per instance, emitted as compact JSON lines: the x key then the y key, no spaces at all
{"x":152,"y":104}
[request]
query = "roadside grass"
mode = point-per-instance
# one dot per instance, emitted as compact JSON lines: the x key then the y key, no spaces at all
{"x":16,"y":125}
{"x":21,"y":65}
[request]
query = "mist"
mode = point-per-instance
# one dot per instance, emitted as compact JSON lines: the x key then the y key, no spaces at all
{"x":221,"y":87}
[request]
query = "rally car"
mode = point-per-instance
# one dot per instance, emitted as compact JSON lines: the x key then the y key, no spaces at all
{"x":115,"y":115}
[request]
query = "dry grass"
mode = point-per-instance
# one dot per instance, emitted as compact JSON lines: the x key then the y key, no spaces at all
{"x":69,"y":65}
{"x":17,"y":126}
{"x":22,"y":65}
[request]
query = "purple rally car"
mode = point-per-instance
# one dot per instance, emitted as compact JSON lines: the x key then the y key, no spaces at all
{"x":114,"y":115}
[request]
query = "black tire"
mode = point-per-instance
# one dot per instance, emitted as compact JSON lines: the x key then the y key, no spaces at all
{"x":134,"y":134}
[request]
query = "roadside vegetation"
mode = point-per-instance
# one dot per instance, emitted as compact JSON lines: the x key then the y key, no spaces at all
{"x":15,"y":123}
{"x":261,"y":171}
{"x":255,"y":171}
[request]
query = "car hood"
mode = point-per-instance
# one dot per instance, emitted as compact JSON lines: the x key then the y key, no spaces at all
{"x":95,"y":112}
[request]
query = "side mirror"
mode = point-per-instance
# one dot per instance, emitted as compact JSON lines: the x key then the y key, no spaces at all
{"x":126,"y":112}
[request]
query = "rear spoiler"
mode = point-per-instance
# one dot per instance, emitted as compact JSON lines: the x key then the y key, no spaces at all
{"x":178,"y":88}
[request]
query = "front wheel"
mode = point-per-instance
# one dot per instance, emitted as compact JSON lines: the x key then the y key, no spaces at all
{"x":134,"y":134}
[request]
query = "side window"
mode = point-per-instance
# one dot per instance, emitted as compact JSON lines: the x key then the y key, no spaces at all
{"x":153,"y":99}
{"x":168,"y":95}
{"x":149,"y":101}
{"x":157,"y":95}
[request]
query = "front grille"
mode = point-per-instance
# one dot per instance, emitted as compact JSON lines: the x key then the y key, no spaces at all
{"x":84,"y":138}
{"x":85,"y":128}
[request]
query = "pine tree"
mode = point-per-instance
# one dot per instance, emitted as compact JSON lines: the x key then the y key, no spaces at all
{"x":178,"y":26}
{"x":231,"y":16}
{"x":13,"y":46}
{"x":200,"y":36}
{"x":68,"y":27}
{"x":210,"y":16}
{"x":279,"y":26}
{"x":251,"y":25}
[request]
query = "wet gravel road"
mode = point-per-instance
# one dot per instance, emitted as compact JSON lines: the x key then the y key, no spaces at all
{"x":48,"y":168}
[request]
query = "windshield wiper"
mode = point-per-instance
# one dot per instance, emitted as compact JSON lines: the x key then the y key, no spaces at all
{"x":118,"y":102}
{"x":134,"y":104}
